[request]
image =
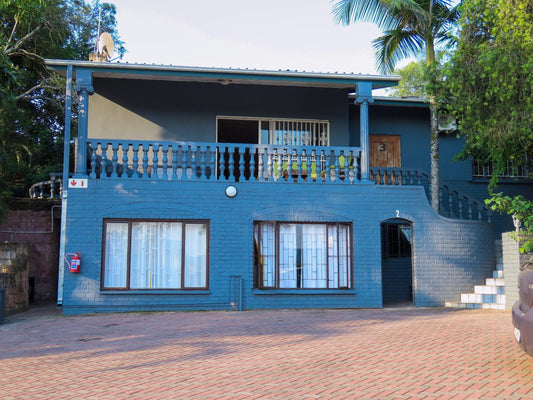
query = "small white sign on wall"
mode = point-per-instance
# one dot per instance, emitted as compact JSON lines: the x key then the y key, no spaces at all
{"x":75,"y":183}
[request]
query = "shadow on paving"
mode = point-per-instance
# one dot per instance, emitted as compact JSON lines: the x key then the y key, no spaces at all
{"x":199,"y":334}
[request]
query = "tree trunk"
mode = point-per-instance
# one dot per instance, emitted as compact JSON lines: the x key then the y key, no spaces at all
{"x":434,"y":154}
{"x":434,"y":140}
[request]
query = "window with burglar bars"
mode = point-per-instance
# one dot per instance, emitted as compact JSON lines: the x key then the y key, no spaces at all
{"x":482,"y":170}
{"x":299,"y":133}
{"x":302,"y":255}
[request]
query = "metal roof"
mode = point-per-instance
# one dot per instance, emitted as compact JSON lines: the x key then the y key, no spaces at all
{"x":225,"y":75}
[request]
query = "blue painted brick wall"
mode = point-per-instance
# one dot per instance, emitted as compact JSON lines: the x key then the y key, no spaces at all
{"x":449,"y":256}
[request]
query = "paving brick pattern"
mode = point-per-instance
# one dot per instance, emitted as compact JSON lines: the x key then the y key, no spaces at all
{"x":284,"y":354}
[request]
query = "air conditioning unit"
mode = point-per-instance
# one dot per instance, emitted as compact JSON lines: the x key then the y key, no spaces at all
{"x":447,"y":122}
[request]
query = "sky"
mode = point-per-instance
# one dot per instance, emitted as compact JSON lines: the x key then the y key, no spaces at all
{"x":273,"y":34}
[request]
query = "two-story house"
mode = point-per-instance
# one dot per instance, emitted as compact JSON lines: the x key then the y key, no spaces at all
{"x":211,"y":188}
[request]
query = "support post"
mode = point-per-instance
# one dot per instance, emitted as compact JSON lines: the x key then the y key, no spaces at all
{"x":84,"y":88}
{"x":364,"y":98}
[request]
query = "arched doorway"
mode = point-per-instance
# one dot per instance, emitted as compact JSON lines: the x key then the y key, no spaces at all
{"x":396,"y":261}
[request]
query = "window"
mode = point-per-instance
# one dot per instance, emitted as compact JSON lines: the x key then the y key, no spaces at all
{"x":155,"y":254}
{"x":396,"y":240}
{"x":289,"y":132}
{"x":483,"y":170}
{"x":302,"y":255}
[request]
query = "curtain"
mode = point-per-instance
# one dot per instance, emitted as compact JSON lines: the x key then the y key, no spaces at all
{"x":195,"y":255}
{"x":344,"y":256}
{"x":287,"y":256}
{"x":333,"y":261}
{"x":116,"y":255}
{"x":266,"y":253}
{"x":155,"y":255}
{"x":314,"y":256}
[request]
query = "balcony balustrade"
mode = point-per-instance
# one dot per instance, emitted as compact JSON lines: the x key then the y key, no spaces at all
{"x":222,"y":161}
{"x":453,"y":204}
{"x":188,"y":161}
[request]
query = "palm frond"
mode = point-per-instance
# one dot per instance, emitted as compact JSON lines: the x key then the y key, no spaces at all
{"x":395,"y":46}
{"x":375,"y":11}
{"x":408,"y":25}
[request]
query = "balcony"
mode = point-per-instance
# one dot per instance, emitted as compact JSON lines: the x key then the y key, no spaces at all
{"x":222,"y":161}
{"x":232,"y":162}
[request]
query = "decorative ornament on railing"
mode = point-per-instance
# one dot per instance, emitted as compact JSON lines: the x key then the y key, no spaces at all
{"x":517,"y":222}
{"x":323,"y":139}
{"x":306,"y":139}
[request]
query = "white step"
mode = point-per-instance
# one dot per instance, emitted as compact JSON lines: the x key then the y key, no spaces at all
{"x":454,"y":304}
{"x":486,"y":306}
{"x":493,"y":306}
{"x":495,"y":282}
{"x":478,"y":289}
{"x":488,"y":296}
{"x":482,"y":298}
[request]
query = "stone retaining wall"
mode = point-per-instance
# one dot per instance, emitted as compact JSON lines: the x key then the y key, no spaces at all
{"x":14,"y":276}
{"x":37,"y":223}
{"x":512,"y":260}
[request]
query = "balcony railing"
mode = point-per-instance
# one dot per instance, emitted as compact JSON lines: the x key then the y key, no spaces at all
{"x":112,"y":159}
{"x":453,"y":204}
{"x":51,"y":189}
{"x":222,"y":161}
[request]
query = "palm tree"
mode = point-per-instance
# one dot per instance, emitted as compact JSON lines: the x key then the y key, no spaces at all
{"x":409,"y":27}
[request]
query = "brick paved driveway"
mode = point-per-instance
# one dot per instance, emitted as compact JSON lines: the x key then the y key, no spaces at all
{"x":391,"y":353}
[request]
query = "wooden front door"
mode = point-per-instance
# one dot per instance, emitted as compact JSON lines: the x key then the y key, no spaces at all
{"x":385,"y":152}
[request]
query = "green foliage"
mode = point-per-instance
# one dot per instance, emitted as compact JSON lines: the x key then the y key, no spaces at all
{"x":31,"y":98}
{"x":489,"y":88}
{"x":413,"y":82}
{"x":519,"y":208}
{"x":489,"y":81}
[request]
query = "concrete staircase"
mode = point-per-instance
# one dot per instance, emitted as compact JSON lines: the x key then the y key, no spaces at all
{"x":492,"y":294}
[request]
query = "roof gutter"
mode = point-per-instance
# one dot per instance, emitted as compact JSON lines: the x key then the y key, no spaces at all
{"x":324,"y":78}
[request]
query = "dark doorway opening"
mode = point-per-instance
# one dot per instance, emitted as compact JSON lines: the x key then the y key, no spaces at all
{"x":396,"y":262}
{"x":237,"y":131}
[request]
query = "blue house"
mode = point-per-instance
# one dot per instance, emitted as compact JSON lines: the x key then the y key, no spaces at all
{"x":220,"y":189}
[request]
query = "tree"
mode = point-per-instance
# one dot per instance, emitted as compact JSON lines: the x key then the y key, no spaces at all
{"x":31,"y":100}
{"x":413,"y":81}
{"x":489,"y":89}
{"x":409,"y":28}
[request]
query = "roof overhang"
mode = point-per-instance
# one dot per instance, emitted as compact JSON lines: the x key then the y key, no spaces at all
{"x":401,"y":101}
{"x":224,"y":76}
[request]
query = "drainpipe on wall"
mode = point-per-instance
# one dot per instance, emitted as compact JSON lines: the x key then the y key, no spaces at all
{"x":66,"y":167}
